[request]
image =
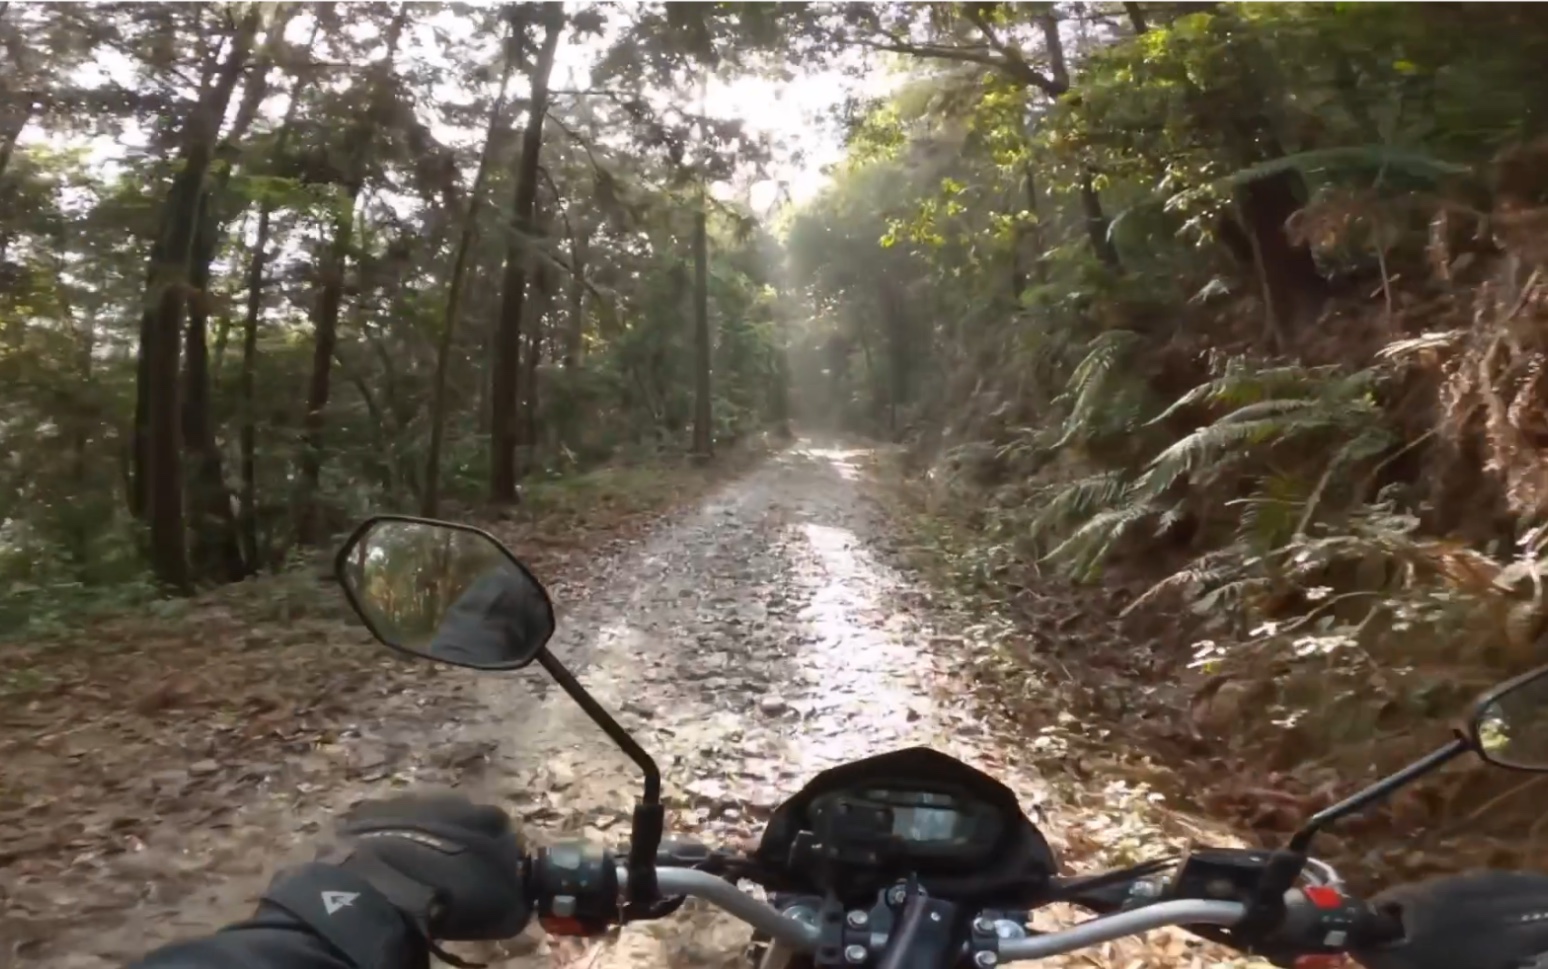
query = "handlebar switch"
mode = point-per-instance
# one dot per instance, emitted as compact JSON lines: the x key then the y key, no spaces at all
{"x":1320,"y":925}
{"x":576,"y":886}
{"x":1337,"y":915}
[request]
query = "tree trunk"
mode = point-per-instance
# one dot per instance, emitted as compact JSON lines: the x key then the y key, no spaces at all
{"x":1292,"y":286}
{"x":1090,"y":199}
{"x":575,"y":333}
{"x":879,"y":392}
{"x":80,"y":439}
{"x":217,"y":550}
{"x":1136,"y":17}
{"x":537,"y":316}
{"x":247,"y":512}
{"x":12,"y":124}
{"x":330,"y":299}
{"x":325,"y":340}
{"x":703,"y":426}
{"x":1096,"y":222}
{"x":139,"y":445}
{"x":898,"y":350}
{"x":80,"y":417}
{"x":162,"y":326}
{"x":1287,"y":274}
{"x":432,"y":491}
{"x":1029,"y":235}
{"x":505,"y":375}
{"x":779,"y":406}
{"x":247,"y":431}
{"x":483,"y":422}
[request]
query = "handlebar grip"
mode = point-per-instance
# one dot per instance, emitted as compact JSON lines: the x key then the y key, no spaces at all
{"x":1377,"y":927}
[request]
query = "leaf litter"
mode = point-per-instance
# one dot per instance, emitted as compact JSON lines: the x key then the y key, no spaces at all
{"x":749,"y":640}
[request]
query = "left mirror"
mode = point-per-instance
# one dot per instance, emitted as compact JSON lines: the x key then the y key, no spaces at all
{"x":445,"y":592}
{"x":1509,"y":726}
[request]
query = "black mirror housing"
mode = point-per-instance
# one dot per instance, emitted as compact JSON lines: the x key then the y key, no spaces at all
{"x":446,"y":592}
{"x":1509,"y":725}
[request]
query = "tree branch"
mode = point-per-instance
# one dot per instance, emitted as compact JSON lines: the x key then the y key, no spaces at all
{"x":1059,"y":71}
{"x":1016,"y":63}
{"x":1016,"y":68}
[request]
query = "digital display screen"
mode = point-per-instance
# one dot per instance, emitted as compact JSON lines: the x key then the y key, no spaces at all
{"x":925,"y":824}
{"x":923,"y":817}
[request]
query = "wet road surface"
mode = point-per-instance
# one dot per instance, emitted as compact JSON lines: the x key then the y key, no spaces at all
{"x":747,"y":644}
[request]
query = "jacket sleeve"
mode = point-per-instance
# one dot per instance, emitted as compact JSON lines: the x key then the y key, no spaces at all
{"x":316,"y":917}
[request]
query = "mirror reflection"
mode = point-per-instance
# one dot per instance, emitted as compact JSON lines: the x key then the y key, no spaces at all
{"x":1511,"y":728}
{"x":447,"y":593}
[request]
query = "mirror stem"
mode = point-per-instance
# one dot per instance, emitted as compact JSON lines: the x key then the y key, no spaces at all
{"x":1349,"y":805}
{"x":603,"y":719}
{"x":649,"y":816}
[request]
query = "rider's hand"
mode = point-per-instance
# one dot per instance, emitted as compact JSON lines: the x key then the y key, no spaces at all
{"x":1481,"y":920}
{"x":454,"y":867}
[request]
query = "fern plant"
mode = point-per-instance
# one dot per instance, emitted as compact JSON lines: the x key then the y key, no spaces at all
{"x":1095,"y":387}
{"x":1291,"y":434}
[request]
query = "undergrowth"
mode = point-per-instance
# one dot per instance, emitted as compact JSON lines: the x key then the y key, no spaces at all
{"x":1305,"y":603}
{"x":556,"y":510}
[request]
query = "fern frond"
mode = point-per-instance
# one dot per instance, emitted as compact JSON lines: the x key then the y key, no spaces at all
{"x":1241,"y":385}
{"x":1441,"y":340}
{"x":1078,"y":499}
{"x":1207,"y":446}
{"x":1205,"y":572}
{"x":1230,"y":595}
{"x":1270,"y":517}
{"x":1371,"y":441}
{"x":1084,"y":550}
{"x":1369,"y":157}
{"x":1089,"y":381}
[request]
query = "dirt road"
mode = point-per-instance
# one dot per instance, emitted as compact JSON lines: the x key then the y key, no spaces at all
{"x":747,"y":643}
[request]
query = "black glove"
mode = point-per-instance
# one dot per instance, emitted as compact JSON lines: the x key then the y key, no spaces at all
{"x":1481,"y":920}
{"x":455,"y":868}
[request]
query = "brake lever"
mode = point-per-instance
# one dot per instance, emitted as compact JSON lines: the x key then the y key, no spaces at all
{"x":1108,"y":891}
{"x":686,"y":853}
{"x":683,"y":853}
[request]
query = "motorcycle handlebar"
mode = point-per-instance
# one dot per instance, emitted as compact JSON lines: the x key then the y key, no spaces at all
{"x":803,"y":936}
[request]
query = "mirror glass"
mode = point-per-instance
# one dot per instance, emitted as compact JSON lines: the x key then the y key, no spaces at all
{"x":1510,"y":726}
{"x":447,"y":593}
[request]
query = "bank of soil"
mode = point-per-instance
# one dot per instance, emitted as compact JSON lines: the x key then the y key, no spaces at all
{"x":748,"y":642}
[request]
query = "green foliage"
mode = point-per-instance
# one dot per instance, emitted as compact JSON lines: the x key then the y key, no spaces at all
{"x":1290,"y":435}
{"x":1081,"y":405}
{"x":364,"y":183}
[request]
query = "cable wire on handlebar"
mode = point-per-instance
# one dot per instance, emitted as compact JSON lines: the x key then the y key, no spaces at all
{"x":1070,"y":889}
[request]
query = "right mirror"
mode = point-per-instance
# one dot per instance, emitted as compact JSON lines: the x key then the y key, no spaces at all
{"x":445,"y":592}
{"x":1510,"y":724}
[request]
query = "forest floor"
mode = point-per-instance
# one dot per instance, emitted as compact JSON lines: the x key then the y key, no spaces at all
{"x":763,"y":630}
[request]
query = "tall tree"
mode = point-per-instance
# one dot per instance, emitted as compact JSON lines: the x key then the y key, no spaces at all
{"x":217,"y":546}
{"x":255,"y":279}
{"x":359,"y":140}
{"x":505,"y":374}
{"x":703,"y":417}
{"x":575,"y":320}
{"x":459,"y":274}
{"x":160,"y":470}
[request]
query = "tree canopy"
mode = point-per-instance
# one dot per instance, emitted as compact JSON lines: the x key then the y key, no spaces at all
{"x":268,"y":266}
